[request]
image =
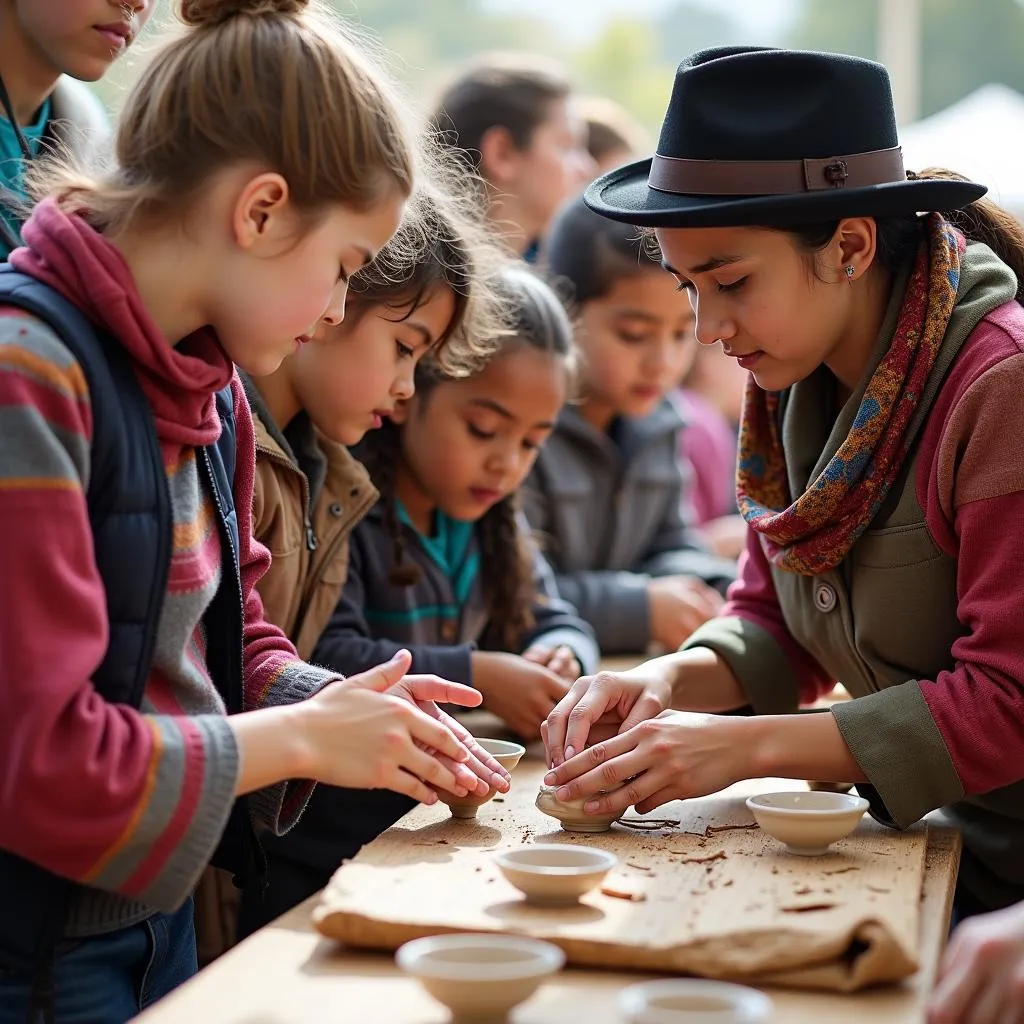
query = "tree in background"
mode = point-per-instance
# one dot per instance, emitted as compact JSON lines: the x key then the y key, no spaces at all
{"x":425,"y":40}
{"x":632,"y":60}
{"x":430,"y":39}
{"x":687,"y":28}
{"x":964,"y":45}
{"x":624,"y":63}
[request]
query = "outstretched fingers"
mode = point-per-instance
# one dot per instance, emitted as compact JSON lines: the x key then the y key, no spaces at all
{"x":428,"y":732}
{"x":568,"y":724}
{"x":480,"y":763}
{"x":443,"y":691}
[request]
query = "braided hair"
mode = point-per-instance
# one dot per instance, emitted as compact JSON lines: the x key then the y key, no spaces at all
{"x":536,"y":319}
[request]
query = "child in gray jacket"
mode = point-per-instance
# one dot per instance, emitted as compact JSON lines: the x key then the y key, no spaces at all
{"x":608,"y":491}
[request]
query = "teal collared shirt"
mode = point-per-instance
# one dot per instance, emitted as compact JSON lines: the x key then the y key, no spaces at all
{"x":12,"y":162}
{"x":450,"y":548}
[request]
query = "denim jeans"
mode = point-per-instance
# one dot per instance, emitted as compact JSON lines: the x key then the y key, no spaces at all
{"x":110,"y":978}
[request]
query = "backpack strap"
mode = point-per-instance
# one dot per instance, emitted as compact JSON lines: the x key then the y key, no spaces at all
{"x":82,"y":338}
{"x":224,"y":454}
{"x":30,"y":943}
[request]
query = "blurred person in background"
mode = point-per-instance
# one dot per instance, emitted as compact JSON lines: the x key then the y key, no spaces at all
{"x":614,"y":136}
{"x":512,"y":120}
{"x":710,"y":400}
{"x":608,"y":492}
{"x":48,"y":48}
{"x":710,"y":397}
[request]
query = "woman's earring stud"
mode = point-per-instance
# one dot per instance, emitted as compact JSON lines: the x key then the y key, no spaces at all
{"x":849,"y":272}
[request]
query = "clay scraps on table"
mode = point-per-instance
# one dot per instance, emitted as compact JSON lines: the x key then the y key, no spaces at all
{"x":623,"y":894}
{"x":649,"y":824}
{"x":721,"y":855}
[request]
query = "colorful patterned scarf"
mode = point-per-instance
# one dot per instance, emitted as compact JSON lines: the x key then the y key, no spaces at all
{"x":815,"y":532}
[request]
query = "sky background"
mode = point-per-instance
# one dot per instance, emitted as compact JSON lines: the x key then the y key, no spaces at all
{"x":581,"y":20}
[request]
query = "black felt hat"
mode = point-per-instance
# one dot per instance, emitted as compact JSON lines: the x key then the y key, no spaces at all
{"x":765,"y":136}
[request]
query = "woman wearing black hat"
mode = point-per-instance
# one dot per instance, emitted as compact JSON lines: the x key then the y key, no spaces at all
{"x":880,"y":468}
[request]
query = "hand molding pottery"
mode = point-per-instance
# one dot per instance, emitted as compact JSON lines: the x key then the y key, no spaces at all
{"x":507,"y":754}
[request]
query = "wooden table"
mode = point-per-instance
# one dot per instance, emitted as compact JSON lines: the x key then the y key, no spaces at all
{"x":287,"y":974}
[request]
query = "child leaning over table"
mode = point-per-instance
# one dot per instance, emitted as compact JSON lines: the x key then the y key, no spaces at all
{"x":443,"y":566}
{"x":165,"y":716}
{"x":430,"y":290}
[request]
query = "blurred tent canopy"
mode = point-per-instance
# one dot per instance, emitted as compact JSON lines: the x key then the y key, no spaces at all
{"x":631,"y":58}
{"x":981,"y":136}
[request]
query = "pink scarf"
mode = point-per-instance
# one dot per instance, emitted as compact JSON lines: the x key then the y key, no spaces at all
{"x":180,"y":381}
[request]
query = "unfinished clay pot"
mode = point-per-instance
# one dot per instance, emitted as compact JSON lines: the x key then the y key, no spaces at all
{"x":553,"y":874}
{"x":507,"y":754}
{"x":808,"y":823}
{"x":480,"y":977}
{"x":570,"y":813}
{"x":693,"y":1001}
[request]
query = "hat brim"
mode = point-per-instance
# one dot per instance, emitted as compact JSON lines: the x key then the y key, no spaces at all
{"x":624,"y":195}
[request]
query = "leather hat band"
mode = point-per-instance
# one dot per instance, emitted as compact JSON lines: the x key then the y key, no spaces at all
{"x":775,"y":177}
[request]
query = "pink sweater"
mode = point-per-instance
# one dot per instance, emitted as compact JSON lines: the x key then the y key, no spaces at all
{"x":129,"y":801}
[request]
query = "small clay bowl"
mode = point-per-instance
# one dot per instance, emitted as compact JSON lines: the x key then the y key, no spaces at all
{"x":807,"y":823}
{"x":480,"y":977}
{"x":693,"y":1001}
{"x":507,"y":755}
{"x":553,"y":874}
{"x":571,"y":814}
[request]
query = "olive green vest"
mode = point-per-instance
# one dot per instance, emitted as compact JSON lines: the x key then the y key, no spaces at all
{"x":887,"y":615}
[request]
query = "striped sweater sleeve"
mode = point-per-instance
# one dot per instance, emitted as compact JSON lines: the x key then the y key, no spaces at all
{"x":274,"y":673}
{"x":93,"y":791}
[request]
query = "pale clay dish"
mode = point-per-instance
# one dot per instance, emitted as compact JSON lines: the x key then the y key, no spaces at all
{"x":571,"y":814}
{"x":807,"y":823}
{"x":693,"y":1001}
{"x":507,"y":754}
{"x":480,"y":977}
{"x":553,"y":874}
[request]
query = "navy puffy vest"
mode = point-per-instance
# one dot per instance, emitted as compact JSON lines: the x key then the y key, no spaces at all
{"x":129,"y":508}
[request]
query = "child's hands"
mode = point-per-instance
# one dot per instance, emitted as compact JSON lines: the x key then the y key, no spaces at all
{"x":561,"y":660}
{"x":520,"y":692}
{"x":487,"y":773}
{"x":981,"y":979}
{"x":678,"y":605}
{"x":481,"y":772}
{"x":366,"y":732}
{"x":601,"y":706}
{"x":726,"y":536}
